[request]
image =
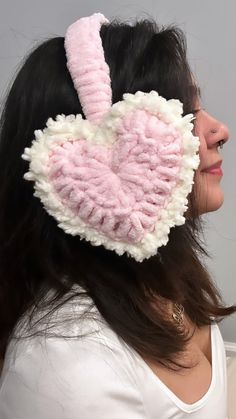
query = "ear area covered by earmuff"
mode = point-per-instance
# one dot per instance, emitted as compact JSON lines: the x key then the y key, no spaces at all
{"x":123,"y":182}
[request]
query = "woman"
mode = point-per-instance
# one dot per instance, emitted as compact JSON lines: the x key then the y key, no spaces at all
{"x":123,"y":323}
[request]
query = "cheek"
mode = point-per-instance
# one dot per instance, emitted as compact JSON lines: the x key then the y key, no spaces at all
{"x":208,"y":192}
{"x":202,"y":153}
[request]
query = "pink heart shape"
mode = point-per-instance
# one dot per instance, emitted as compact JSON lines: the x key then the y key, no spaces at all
{"x":120,"y":190}
{"x":122,"y":184}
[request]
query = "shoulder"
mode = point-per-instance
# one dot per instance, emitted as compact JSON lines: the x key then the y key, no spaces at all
{"x":82,"y":377}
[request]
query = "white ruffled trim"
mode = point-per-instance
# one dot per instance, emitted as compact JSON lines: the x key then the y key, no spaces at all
{"x":69,"y":127}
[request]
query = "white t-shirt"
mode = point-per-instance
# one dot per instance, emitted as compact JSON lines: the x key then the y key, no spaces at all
{"x":96,"y":376}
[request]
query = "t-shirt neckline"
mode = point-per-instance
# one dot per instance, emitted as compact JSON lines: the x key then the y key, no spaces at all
{"x":186,"y":407}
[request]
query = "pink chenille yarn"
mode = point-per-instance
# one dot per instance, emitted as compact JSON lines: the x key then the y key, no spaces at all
{"x":87,"y":66}
{"x":119,"y":189}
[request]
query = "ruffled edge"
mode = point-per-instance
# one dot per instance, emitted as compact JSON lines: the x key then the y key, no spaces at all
{"x":68,"y":128}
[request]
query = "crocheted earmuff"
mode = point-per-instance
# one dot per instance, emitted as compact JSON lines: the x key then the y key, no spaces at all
{"x":121,"y":177}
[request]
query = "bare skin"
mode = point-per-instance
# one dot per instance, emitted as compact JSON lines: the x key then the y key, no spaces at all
{"x":210,"y":131}
{"x":191,"y":385}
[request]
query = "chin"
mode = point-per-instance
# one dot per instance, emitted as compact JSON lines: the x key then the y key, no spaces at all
{"x":212,"y":202}
{"x":208,"y":194}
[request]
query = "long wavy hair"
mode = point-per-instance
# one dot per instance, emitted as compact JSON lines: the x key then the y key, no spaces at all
{"x":37,"y":257}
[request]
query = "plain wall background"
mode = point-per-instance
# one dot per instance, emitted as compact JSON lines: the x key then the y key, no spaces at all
{"x":210,"y":29}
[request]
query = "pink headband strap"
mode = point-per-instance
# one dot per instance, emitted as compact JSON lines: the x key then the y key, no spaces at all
{"x":87,"y":66}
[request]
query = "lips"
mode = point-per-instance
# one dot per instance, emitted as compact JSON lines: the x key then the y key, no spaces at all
{"x":214,"y":168}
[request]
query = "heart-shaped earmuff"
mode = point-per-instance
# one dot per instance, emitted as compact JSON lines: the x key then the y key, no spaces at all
{"x":123,"y":183}
{"x":121,"y":177}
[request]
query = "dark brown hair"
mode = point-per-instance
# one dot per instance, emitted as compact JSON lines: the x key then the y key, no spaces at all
{"x":36,"y":256}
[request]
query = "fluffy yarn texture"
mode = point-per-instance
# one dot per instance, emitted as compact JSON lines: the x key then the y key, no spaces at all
{"x":87,"y":66}
{"x":122,"y":184}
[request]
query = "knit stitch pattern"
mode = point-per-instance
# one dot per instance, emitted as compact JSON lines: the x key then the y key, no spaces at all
{"x":124,"y":183}
{"x":87,"y":66}
{"x":119,"y":190}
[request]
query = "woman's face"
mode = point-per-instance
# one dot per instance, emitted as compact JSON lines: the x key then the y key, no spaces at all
{"x":211,"y":132}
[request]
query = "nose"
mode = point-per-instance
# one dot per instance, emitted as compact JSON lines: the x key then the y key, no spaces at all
{"x":217,"y":132}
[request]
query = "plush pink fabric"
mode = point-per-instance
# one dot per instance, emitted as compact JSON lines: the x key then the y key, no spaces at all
{"x":119,"y":190}
{"x":86,"y":63}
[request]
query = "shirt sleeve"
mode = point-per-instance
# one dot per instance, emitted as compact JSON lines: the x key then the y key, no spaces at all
{"x":67,"y":379}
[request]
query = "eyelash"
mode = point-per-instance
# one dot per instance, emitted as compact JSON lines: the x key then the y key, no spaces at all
{"x":195,"y":111}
